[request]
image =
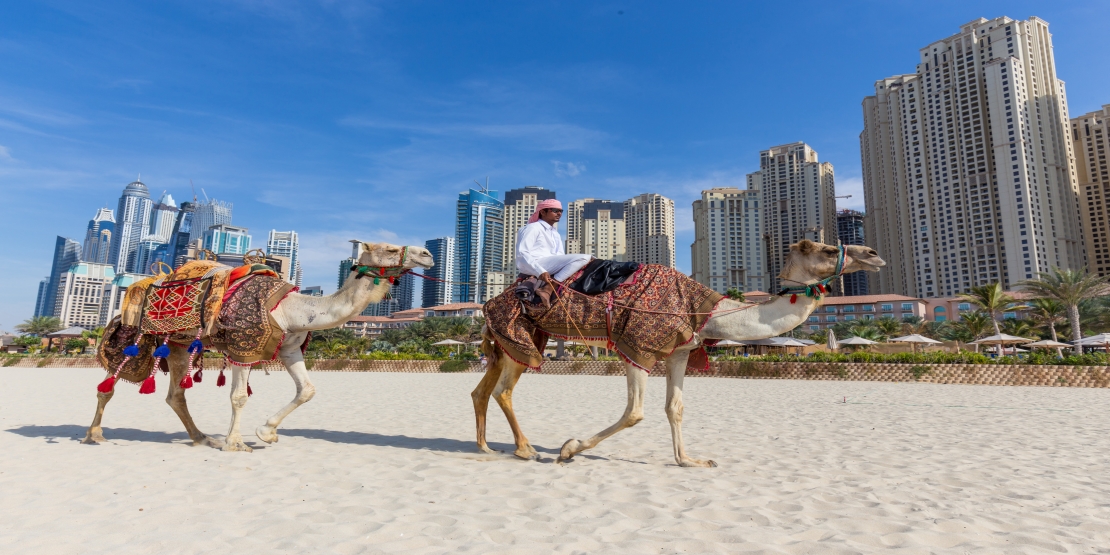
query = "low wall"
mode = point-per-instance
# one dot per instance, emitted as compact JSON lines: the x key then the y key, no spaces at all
{"x":982,"y":374}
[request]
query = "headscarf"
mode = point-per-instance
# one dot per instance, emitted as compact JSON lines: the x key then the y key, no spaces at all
{"x":543,"y":205}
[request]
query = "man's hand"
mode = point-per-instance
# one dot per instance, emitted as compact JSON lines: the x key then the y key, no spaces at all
{"x":546,"y":277}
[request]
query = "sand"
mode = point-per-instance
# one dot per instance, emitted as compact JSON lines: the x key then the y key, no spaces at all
{"x":384,"y":463}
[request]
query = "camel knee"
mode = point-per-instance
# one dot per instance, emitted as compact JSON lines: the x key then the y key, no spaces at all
{"x":674,"y":410}
{"x":306,"y":394}
{"x":504,"y":398}
{"x":239,"y":400}
{"x":634,"y":418}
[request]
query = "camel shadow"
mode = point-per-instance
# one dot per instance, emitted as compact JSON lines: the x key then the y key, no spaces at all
{"x":74,"y":432}
{"x":442,"y":444}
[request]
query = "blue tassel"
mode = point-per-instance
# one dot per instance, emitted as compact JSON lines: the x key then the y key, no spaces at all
{"x":162,"y":352}
{"x":131,"y":351}
{"x":196,"y":346}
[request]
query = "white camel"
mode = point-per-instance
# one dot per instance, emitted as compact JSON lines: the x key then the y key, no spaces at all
{"x":297,"y":315}
{"x":808,"y":263}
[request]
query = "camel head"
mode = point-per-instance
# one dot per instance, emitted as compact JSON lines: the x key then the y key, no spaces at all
{"x":810,"y":261}
{"x":385,"y":255}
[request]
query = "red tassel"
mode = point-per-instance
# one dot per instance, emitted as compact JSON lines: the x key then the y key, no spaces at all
{"x":793,"y":298}
{"x":186,"y":382}
{"x":148,"y":386}
{"x":197,"y":376}
{"x":249,"y":392}
{"x":221,"y":380}
{"x":107,"y":385}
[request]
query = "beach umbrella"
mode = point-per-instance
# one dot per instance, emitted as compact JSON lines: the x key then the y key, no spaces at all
{"x":1100,"y":339}
{"x":479,"y":342}
{"x":446,"y":342}
{"x":914,"y":339}
{"x":853,"y":340}
{"x":1047,"y":344}
{"x":728,"y":343}
{"x":831,"y":341}
{"x":1002,"y":340}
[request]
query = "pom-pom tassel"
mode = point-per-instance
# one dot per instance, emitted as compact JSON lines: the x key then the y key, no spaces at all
{"x":162,"y":351}
{"x":148,"y":385}
{"x":107,"y":385}
{"x":249,"y":392}
{"x":220,"y":381}
{"x":197,"y":375}
{"x":186,"y":381}
{"x":196,"y":346}
{"x":131,"y":350}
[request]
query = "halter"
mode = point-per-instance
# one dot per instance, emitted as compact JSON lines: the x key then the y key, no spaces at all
{"x":390,"y":273}
{"x":818,"y":288}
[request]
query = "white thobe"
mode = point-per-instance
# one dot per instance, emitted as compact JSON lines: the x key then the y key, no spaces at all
{"x":539,"y":249}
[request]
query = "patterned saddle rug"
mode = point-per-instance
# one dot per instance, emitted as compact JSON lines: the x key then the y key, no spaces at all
{"x":645,"y":319}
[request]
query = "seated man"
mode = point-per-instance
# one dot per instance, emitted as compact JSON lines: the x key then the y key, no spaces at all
{"x":539,"y":248}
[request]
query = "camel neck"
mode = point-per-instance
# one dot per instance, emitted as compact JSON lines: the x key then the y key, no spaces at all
{"x":758,"y":321}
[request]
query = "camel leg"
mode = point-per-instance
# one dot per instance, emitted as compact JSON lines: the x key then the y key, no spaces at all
{"x":676,"y":371}
{"x":95,"y":434}
{"x":175,"y":397}
{"x":293,"y":360}
{"x":234,"y":440}
{"x":633,"y":414}
{"x":481,"y":395}
{"x":503,"y":394}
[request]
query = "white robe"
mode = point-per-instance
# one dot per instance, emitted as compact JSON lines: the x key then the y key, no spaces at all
{"x":539,"y":249}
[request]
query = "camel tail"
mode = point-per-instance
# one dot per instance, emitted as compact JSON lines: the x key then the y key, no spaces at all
{"x":489,"y":348}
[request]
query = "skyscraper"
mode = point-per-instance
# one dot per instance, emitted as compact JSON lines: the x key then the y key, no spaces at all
{"x":285,"y":243}
{"x":163,"y":216}
{"x":968,"y":168}
{"x":849,"y":230}
{"x":596,"y":227}
{"x":207,"y":214}
{"x":40,"y":298}
{"x":182,"y":228}
{"x":649,"y":229}
{"x":1091,"y":141}
{"x":519,"y":206}
{"x":151,"y":251}
{"x":67,"y":252}
{"x":227,"y":239}
{"x":479,"y":240}
{"x":98,"y":237}
{"x":81,"y":292}
{"x":728,"y":250}
{"x":798,"y":200}
{"x":132,"y":223}
{"x":436,"y":293}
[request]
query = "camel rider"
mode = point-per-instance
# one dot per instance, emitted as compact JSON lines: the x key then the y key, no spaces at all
{"x":539,"y":248}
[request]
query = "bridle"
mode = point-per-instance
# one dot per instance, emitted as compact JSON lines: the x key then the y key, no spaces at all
{"x":820,"y":287}
{"x":390,"y":273}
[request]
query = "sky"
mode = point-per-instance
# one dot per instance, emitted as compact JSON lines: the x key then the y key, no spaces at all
{"x":364,"y":120}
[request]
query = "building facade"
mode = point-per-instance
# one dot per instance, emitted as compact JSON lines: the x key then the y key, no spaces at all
{"x":728,"y":248}
{"x":67,"y":252}
{"x":479,"y":243}
{"x":182,"y":228}
{"x":151,"y":251}
{"x":437,"y":291}
{"x":207,"y":214}
{"x":1091,"y":142}
{"x":798,"y":200}
{"x":597,"y":227}
{"x":132,"y":224}
{"x":519,"y":206}
{"x":227,"y":239}
{"x":285,"y":243}
{"x":98,"y":237}
{"x":111,"y":299}
{"x":81,"y":294}
{"x":163,"y":216}
{"x":649,"y":229}
{"x":312,"y":291}
{"x":968,"y":164}
{"x":849,"y":231}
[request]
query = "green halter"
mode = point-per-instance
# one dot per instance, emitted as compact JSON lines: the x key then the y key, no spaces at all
{"x":819,"y":288}
{"x":390,"y":273}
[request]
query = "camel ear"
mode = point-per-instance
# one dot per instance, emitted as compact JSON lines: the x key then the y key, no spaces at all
{"x":805,"y":246}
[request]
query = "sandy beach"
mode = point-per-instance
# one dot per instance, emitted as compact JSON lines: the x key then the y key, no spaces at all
{"x":385,"y":463}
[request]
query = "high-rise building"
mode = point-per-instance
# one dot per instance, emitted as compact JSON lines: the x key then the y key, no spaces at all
{"x":649,"y":229}
{"x":67,"y":252}
{"x":729,"y":250}
{"x":399,"y":298}
{"x":207,"y":214}
{"x":519,"y":206}
{"x":968,"y":168}
{"x":312,"y":291}
{"x":132,"y":223}
{"x":228,"y":239}
{"x":151,"y":251}
{"x":285,"y":243}
{"x":1091,"y":142}
{"x":98,"y":237}
{"x":437,"y":291}
{"x":596,"y":227}
{"x":849,"y":230}
{"x":479,"y":240}
{"x":40,"y":298}
{"x":111,"y":298}
{"x":798,"y":200}
{"x":163,"y":216}
{"x":182,"y":228}
{"x":81,"y":292}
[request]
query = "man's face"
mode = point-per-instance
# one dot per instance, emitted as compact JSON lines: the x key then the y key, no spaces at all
{"x":551,"y":215}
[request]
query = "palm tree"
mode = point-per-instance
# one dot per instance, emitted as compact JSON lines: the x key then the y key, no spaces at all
{"x":735,"y":294}
{"x":912,"y":325}
{"x":95,"y":333}
{"x":888,"y":325}
{"x":1046,"y":313}
{"x":870,"y":332}
{"x":991,"y":299}
{"x":1070,"y":288}
{"x":1018,"y":327}
{"x":40,"y":325}
{"x":974,"y":325}
{"x":935,"y":330}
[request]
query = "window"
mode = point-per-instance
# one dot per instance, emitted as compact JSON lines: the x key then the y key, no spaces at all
{"x":886,"y":307}
{"x":815,"y":328}
{"x":849,"y":317}
{"x":1009,"y":315}
{"x":814,"y":318}
{"x":941,"y":318}
{"x":907,"y":306}
{"x":869,"y":308}
{"x":830,"y":309}
{"x":907,"y":315}
{"x":963,"y":306}
{"x":830,"y":318}
{"x":849,"y":308}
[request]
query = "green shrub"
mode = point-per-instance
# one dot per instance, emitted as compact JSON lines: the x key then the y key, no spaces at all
{"x":454,"y":366}
{"x":919,"y":371}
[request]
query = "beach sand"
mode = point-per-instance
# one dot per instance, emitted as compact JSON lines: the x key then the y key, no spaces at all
{"x":385,"y":463}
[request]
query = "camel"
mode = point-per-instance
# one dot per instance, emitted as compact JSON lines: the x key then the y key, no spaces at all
{"x":297,"y":315}
{"x":807,"y":264}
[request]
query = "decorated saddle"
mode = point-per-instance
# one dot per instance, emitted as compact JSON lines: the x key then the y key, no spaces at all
{"x":202,"y":304}
{"x":644,"y":319}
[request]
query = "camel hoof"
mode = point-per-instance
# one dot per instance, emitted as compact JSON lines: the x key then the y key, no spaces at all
{"x":528,"y":454}
{"x":208,"y":442}
{"x":694,"y":463}
{"x":237,"y":445}
{"x":486,"y":449}
{"x":93,"y":439}
{"x":569,"y":450}
{"x":267,"y":434}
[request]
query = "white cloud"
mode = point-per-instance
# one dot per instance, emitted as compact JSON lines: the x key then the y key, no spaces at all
{"x":5,"y":154}
{"x":850,"y":186}
{"x":568,"y":169}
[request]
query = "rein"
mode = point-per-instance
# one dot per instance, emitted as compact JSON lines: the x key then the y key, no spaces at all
{"x":819,"y":288}
{"x":390,"y":273}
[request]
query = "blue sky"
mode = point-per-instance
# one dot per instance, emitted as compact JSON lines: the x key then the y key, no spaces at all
{"x":345,"y":119}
